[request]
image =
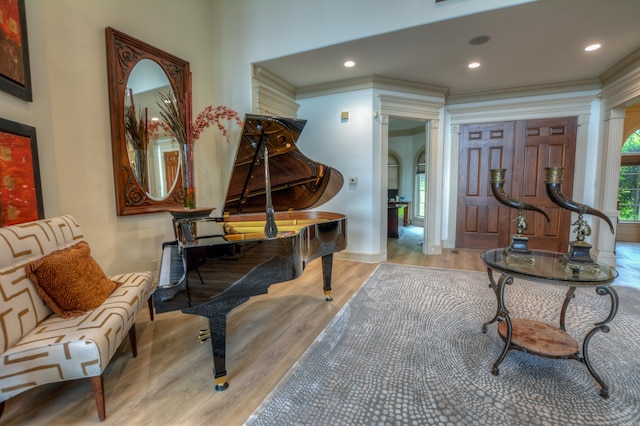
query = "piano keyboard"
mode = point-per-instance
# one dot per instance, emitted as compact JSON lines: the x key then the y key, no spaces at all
{"x":171,"y":278}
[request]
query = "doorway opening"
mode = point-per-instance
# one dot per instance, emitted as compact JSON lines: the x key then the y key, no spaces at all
{"x":406,"y":183}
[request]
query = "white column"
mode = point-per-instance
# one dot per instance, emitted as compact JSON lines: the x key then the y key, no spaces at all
{"x":432,"y":242}
{"x":610,"y":180}
{"x":451,"y":211}
{"x":381,"y":217}
{"x":579,"y":171}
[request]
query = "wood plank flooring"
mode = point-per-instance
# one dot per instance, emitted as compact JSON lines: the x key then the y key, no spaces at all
{"x":170,"y":382}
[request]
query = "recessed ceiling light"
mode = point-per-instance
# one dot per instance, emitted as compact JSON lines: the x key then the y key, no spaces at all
{"x":349,"y":64}
{"x":592,"y":47}
{"x":473,"y":65}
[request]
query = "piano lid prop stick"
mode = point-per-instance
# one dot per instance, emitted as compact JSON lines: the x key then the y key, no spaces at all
{"x":270,"y":227}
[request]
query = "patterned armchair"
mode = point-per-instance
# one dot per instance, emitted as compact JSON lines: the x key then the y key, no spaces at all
{"x":39,"y":347}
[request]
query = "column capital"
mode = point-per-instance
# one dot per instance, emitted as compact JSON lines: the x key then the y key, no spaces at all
{"x":615,"y":114}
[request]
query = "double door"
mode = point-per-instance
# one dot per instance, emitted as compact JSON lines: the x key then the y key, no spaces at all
{"x":524,"y":148}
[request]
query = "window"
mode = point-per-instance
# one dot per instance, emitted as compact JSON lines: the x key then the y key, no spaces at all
{"x":421,"y":184}
{"x":629,"y":189}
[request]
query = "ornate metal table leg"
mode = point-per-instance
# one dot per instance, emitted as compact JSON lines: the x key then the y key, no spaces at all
{"x":494,"y":287}
{"x":600,"y":326}
{"x":503,"y":314}
{"x":565,"y":305}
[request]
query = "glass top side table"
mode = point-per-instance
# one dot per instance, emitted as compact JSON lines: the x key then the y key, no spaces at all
{"x":536,"y":337}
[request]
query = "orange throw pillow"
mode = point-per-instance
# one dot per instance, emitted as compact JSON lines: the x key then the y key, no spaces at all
{"x":70,"y":281}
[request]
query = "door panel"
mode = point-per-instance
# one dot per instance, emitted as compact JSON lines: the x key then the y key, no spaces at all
{"x":481,"y":221}
{"x":539,"y":144}
{"x":171,"y":165}
{"x":524,"y":149}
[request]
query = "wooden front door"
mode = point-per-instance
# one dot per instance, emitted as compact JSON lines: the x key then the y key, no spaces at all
{"x":482,"y":220}
{"x":524,"y":148}
{"x":171,"y":166}
{"x":540,"y":144}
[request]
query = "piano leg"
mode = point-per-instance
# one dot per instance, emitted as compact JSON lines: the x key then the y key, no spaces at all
{"x":218,"y":330}
{"x":327,"y":265}
{"x":218,"y":311}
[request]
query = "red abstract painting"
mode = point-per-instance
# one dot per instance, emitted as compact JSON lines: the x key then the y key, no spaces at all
{"x":15,"y":75}
{"x":11,"y":60}
{"x":20,"y":198}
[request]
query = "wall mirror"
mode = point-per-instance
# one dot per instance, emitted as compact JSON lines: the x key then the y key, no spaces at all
{"x":146,"y":159}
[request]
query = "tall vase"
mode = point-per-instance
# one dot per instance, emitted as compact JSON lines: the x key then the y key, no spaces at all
{"x":188,"y":179}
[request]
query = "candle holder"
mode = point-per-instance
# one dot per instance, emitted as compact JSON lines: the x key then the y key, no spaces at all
{"x":518,"y":250}
{"x":578,"y":256}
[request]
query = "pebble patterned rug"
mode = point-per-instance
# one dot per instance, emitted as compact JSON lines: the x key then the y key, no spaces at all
{"x":408,"y":349}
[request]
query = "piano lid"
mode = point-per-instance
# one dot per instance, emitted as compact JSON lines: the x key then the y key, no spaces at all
{"x":297,"y":182}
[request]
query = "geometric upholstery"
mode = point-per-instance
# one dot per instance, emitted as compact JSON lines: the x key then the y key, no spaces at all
{"x":37,"y":347}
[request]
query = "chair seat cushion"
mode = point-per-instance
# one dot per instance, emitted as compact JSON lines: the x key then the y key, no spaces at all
{"x":64,"y":349}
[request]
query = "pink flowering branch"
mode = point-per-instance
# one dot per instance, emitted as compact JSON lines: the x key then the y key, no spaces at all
{"x":211,"y":115}
{"x":174,"y":119}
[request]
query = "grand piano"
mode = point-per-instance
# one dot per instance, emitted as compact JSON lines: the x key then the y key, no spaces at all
{"x":263,"y":237}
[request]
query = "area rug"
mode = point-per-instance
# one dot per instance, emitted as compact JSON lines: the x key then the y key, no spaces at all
{"x":408,"y":349}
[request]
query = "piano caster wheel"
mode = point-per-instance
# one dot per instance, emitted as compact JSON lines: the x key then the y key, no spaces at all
{"x":327,"y":296}
{"x":221,"y":384}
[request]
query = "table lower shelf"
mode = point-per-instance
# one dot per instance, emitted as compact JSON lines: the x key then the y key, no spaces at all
{"x":539,"y":338}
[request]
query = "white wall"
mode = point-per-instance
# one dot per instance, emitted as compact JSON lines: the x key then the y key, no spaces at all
{"x":249,"y":31}
{"x":70,"y":111}
{"x":348,"y":147}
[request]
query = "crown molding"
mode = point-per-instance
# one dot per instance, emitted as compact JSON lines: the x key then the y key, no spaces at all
{"x":427,"y":109}
{"x":272,"y":102}
{"x":271,"y":80}
{"x":523,"y":108}
{"x":630,"y":63}
{"x":524,"y":91}
{"x":371,"y":82}
{"x":623,"y":91}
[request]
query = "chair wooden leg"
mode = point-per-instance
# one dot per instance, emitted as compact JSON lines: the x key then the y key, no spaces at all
{"x":2,"y":407}
{"x":132,"y":340}
{"x":97,"y":384}
{"x":150,"y":302}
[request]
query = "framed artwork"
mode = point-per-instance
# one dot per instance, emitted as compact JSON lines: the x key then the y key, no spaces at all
{"x":20,"y":190}
{"x":15,"y":74}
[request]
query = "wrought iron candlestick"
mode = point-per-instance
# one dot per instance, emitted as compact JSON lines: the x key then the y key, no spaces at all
{"x":578,"y":255}
{"x":518,"y":247}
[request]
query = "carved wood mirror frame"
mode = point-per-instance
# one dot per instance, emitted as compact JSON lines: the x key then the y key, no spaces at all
{"x":123,"y":53}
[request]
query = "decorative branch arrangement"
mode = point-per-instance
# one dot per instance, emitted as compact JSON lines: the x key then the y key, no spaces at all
{"x":136,"y":131}
{"x":174,"y":119}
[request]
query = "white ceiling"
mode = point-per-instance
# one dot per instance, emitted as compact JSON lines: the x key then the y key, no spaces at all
{"x":536,"y":43}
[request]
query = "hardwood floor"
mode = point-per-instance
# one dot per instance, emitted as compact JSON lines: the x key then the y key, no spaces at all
{"x":407,"y":250}
{"x":170,"y":382}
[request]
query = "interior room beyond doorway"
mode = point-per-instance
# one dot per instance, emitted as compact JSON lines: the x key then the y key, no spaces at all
{"x":406,"y":178}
